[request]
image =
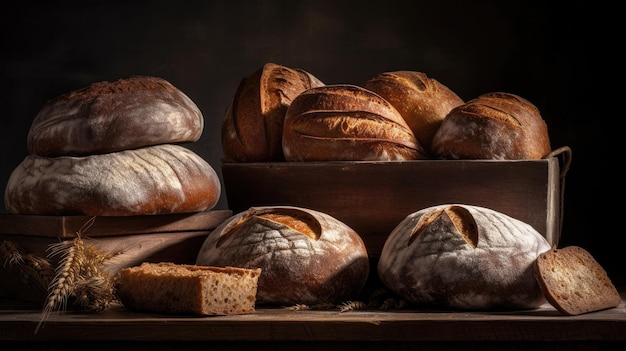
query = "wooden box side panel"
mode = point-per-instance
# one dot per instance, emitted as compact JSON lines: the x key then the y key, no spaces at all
{"x":373,"y":198}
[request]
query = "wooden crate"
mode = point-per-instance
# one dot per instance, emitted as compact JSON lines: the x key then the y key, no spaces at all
{"x":373,"y":197}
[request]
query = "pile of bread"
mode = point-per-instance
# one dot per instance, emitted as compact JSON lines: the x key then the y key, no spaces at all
{"x":113,"y":149}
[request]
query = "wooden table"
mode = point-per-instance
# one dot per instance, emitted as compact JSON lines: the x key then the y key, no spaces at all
{"x":284,"y":329}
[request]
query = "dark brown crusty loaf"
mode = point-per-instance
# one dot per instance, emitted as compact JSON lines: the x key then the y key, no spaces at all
{"x":574,"y":282}
{"x":499,"y":126}
{"x":307,"y":257}
{"x":422,"y":101}
{"x":188,"y":289}
{"x":253,"y":125}
{"x":346,"y":122}
{"x":113,"y":116}
{"x":156,"y":179}
{"x":463,"y":257}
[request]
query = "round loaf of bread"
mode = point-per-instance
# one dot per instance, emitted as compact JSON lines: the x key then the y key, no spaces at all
{"x":463,"y":257}
{"x":114,"y":116}
{"x":306,"y":257}
{"x":253,"y":125}
{"x":422,"y":101}
{"x":499,"y":126}
{"x":158,"y":179}
{"x":346,"y":122}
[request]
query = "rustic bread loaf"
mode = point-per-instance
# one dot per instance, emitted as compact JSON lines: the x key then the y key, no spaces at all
{"x":574,"y":282}
{"x":422,"y":101}
{"x":307,"y":257}
{"x":188,"y":289}
{"x":156,"y":179}
{"x":500,"y":126}
{"x":113,"y":116}
{"x":463,"y":257}
{"x":253,"y":125}
{"x":346,"y":122}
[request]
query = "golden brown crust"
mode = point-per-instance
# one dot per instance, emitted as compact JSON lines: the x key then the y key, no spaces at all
{"x":422,"y":101}
{"x":253,"y":123}
{"x":574,"y":282}
{"x":156,"y":179}
{"x":113,"y":116}
{"x":501,"y":126}
{"x":346,"y":123}
{"x":325,"y":263}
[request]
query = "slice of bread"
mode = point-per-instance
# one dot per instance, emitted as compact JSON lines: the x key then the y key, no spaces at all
{"x":188,"y":289}
{"x":574,"y":282}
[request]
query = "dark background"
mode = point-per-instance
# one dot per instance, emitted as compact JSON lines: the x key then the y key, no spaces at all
{"x":560,"y":57}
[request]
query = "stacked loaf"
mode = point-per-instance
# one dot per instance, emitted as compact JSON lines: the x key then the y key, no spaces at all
{"x":285,"y":114}
{"x":113,"y":149}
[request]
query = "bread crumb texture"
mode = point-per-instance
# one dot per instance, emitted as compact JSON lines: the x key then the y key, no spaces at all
{"x":188,"y":289}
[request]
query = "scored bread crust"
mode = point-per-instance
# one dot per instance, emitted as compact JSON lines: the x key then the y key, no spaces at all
{"x":188,"y":289}
{"x":307,"y":257}
{"x":574,"y":282}
{"x":463,"y":257}
{"x":346,"y":122}
{"x":499,"y":126}
{"x":253,"y":124}
{"x":158,"y":179}
{"x":422,"y":101}
{"x":113,"y":116}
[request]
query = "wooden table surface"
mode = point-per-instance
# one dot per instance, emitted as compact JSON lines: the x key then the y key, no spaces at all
{"x":282,"y":328}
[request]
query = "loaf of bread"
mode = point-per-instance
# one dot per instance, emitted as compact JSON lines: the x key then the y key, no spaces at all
{"x":188,"y":289}
{"x":463,"y":257}
{"x":307,"y":257}
{"x":499,"y":126}
{"x":113,"y":116}
{"x":574,"y":282}
{"x":253,"y":125}
{"x":346,"y":122}
{"x":156,"y":179}
{"x":422,"y":101}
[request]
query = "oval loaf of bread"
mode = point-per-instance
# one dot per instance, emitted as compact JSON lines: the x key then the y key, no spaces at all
{"x":307,"y":257}
{"x":463,"y":257}
{"x":253,"y":125}
{"x":498,"y":126}
{"x":114,"y":116}
{"x":346,"y":123}
{"x":156,"y":179}
{"x":422,"y":101}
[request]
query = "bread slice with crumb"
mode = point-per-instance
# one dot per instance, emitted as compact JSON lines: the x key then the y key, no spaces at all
{"x":188,"y":289}
{"x":574,"y":282}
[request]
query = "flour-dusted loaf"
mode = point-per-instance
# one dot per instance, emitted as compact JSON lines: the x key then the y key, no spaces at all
{"x":158,"y":179}
{"x":463,"y":257}
{"x":253,"y":124}
{"x":113,"y":116}
{"x":498,"y":126}
{"x":574,"y":282}
{"x":344,"y":122}
{"x":188,"y":289}
{"x":422,"y":101}
{"x":307,"y":257}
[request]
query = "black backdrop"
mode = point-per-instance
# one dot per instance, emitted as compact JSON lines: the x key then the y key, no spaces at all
{"x":553,"y":55}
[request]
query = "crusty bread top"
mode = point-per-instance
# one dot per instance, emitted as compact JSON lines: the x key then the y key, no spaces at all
{"x":574,"y":282}
{"x":253,"y":124}
{"x":112,"y":116}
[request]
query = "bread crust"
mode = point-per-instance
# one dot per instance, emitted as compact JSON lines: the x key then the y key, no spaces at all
{"x":574,"y":282}
{"x":422,"y":101}
{"x":464,"y":257}
{"x":113,"y":116}
{"x":253,"y":124}
{"x":500,"y":126}
{"x":326,"y":263}
{"x":345,"y":122}
{"x":156,"y":179}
